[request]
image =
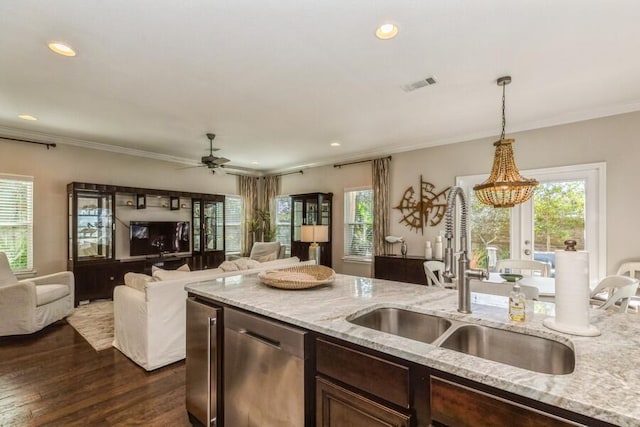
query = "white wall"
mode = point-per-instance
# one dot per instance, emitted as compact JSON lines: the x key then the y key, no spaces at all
{"x":613,"y":140}
{"x":53,"y":169}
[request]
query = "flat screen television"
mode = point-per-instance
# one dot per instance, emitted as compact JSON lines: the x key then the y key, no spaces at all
{"x":158,"y":237}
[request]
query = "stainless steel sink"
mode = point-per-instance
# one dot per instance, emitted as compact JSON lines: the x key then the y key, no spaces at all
{"x":512,"y":348}
{"x":407,"y":324}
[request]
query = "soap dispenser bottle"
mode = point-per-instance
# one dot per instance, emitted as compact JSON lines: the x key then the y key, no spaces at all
{"x":517,"y":304}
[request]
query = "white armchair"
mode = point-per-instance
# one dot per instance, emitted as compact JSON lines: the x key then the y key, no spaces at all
{"x":26,"y":306}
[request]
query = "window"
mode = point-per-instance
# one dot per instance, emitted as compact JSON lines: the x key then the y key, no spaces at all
{"x":568,"y":204}
{"x":233,"y":225}
{"x":283,"y":222}
{"x":16,"y":221}
{"x":358,"y":223}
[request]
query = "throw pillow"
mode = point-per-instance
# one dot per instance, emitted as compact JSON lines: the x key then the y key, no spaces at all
{"x":161,"y":274}
{"x":246,"y":263}
{"x":183,"y":267}
{"x":228,"y":266}
{"x":137,"y":280}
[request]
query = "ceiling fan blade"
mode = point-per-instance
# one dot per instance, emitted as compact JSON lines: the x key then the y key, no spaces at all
{"x":220,"y":160}
{"x":191,"y":167}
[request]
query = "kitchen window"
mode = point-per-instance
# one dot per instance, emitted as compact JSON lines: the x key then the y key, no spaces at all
{"x":233,"y":225}
{"x":16,"y":221}
{"x":358,"y":224}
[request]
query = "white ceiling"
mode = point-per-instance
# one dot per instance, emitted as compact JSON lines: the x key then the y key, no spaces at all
{"x":278,"y":80}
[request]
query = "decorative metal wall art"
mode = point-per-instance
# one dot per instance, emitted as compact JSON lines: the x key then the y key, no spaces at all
{"x":428,"y":209}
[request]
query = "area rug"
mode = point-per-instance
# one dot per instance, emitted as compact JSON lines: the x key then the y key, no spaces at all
{"x":95,"y":323}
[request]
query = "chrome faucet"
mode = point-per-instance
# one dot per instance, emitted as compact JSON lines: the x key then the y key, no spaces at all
{"x":464,"y":273}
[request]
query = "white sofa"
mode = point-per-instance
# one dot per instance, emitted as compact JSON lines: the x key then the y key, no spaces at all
{"x":150,"y":315}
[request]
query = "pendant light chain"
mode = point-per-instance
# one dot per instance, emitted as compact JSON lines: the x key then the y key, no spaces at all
{"x":504,"y":120}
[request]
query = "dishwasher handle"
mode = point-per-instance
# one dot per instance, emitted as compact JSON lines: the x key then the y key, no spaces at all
{"x":265,"y":340}
{"x":272,"y":333}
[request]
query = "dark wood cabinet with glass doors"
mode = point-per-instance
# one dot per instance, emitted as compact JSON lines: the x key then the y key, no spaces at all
{"x":208,"y":232}
{"x":310,"y":209}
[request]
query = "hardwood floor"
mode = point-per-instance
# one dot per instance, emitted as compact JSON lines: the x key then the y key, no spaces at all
{"x":55,"y":378}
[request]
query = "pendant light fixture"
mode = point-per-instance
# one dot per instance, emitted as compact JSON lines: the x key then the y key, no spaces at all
{"x":505,"y":187}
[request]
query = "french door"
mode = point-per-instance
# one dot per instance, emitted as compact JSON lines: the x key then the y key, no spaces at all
{"x":569,"y":204}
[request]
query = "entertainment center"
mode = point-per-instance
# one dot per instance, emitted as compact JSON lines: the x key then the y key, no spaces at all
{"x":113,"y":230}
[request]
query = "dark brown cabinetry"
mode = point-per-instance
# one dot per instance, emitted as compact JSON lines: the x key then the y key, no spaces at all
{"x":310,"y":209}
{"x":91,"y":246}
{"x":355,"y":388}
{"x":407,"y":269}
{"x":208,"y":231}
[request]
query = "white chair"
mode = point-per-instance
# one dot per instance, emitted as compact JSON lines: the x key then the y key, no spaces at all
{"x":26,"y":306}
{"x":433,"y":279}
{"x":614,"y":290}
{"x":526,"y":267}
{"x":503,"y":289}
{"x":631,"y":269}
{"x":266,"y":251}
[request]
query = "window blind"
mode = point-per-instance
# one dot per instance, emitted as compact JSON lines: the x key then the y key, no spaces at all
{"x":283,"y":222}
{"x":358,"y":223}
{"x":233,"y":224}
{"x":16,"y":221}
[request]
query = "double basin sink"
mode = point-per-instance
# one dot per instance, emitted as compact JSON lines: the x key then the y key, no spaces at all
{"x":512,"y":348}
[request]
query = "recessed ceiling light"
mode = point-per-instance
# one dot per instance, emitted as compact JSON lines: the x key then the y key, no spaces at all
{"x":335,"y":144}
{"x":62,"y":49}
{"x":255,"y":162}
{"x":27,"y":117}
{"x":387,"y":31}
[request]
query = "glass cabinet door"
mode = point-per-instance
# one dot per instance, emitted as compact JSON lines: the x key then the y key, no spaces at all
{"x":197,"y":226}
{"x":94,"y":228}
{"x":213,"y":226}
{"x":297,"y":219}
{"x":311,"y":211}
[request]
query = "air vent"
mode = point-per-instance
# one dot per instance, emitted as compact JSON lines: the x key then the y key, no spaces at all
{"x":420,"y":83}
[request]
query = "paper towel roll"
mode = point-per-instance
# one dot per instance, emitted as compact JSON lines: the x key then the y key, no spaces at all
{"x":572,"y":294}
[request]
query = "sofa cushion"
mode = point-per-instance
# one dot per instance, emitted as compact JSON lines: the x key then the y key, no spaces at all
{"x":246,"y":263}
{"x":228,"y":266}
{"x":161,"y":274}
{"x":137,"y":280}
{"x":50,"y":293}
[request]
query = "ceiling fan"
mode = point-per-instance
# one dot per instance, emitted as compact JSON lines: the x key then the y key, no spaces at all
{"x":211,"y":161}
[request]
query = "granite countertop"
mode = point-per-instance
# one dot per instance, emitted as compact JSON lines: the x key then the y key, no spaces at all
{"x":604,"y":385}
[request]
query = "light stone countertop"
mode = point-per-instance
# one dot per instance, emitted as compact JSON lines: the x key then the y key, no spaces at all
{"x":604,"y":385}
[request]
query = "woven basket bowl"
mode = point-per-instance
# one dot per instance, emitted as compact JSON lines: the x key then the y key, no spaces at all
{"x":299,"y":277}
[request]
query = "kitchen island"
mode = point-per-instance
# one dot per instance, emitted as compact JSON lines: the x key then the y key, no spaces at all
{"x":604,"y":386}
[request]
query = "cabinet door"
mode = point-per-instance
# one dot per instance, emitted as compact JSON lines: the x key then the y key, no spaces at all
{"x":96,"y":281}
{"x":338,"y":407}
{"x":196,"y":209}
{"x":94,"y":230}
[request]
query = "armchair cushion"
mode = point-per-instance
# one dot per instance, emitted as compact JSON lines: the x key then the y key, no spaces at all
{"x":50,"y":293}
{"x":265,"y":251}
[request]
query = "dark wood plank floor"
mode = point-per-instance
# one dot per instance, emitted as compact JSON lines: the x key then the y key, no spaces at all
{"x":55,"y":378}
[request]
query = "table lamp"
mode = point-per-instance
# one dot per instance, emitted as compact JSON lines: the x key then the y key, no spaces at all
{"x":314,"y":234}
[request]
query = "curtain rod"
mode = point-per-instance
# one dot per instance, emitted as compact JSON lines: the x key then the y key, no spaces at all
{"x":301,"y":172}
{"x":46,"y":144}
{"x":339,"y":165}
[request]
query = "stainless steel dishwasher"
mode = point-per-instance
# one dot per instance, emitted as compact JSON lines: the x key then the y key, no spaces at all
{"x":264,"y":372}
{"x":203,"y":363}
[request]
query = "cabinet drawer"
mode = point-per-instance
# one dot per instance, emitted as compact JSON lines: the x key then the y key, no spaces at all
{"x":456,"y":405}
{"x":338,"y":407}
{"x":382,"y":378}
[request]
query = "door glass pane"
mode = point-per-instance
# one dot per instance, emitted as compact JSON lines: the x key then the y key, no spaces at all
{"x":558,"y":215}
{"x":490,"y":233}
{"x":297,"y":220}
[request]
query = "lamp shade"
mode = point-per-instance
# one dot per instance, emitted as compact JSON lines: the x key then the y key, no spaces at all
{"x":314,"y":233}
